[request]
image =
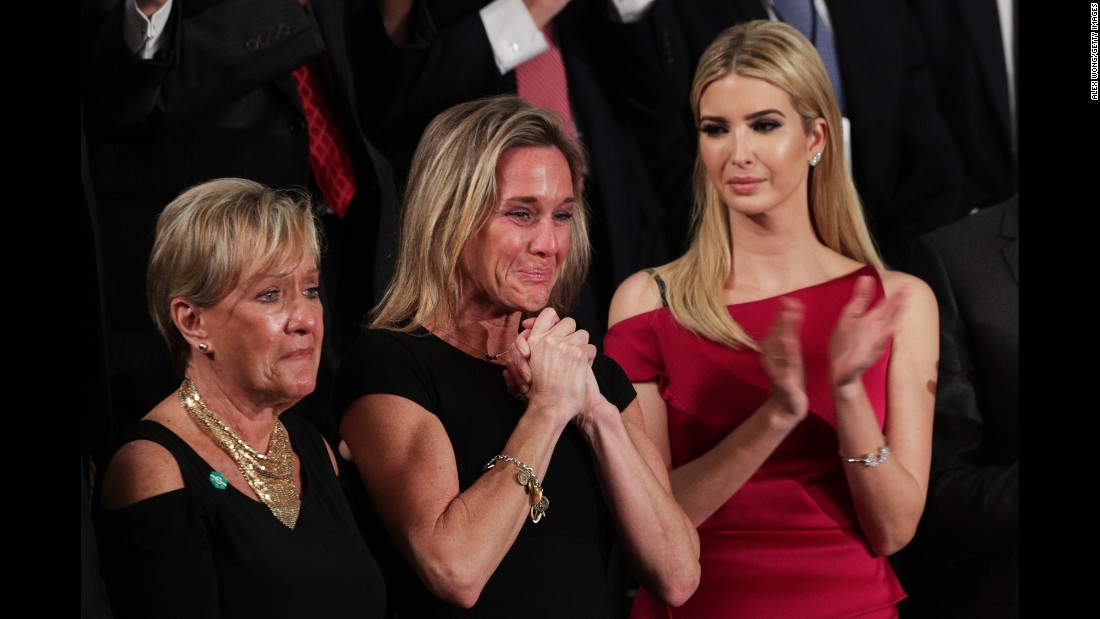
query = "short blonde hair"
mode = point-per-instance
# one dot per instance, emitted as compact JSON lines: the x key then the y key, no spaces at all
{"x":217,"y":234}
{"x":781,"y":55}
{"x":452,"y":190}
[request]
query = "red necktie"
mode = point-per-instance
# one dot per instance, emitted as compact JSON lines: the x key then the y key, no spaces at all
{"x":541,"y":80}
{"x":328,"y":152}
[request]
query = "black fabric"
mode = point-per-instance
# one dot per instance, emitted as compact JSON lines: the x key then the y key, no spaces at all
{"x":93,"y":593}
{"x":564,"y":566}
{"x":204,"y":552}
{"x":964,"y":560}
{"x":967,"y":61}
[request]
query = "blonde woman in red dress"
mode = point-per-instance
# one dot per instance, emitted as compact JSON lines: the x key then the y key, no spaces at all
{"x":784,"y":373}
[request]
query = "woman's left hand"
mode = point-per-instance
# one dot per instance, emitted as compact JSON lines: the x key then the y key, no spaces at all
{"x":517,"y":368}
{"x":862,"y":332}
{"x":595,"y":404}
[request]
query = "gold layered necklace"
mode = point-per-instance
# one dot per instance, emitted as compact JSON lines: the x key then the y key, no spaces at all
{"x":270,"y":475}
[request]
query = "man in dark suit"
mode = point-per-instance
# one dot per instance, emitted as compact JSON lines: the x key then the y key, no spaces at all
{"x":976,"y":90}
{"x":964,"y":560}
{"x":208,"y":92}
{"x":449,"y":58}
{"x":905,"y":165}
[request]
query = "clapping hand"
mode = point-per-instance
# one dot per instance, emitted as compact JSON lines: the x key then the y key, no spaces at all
{"x":862,"y":332}
{"x":782,"y":359}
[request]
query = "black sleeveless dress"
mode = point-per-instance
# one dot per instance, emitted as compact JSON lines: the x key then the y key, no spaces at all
{"x":567,"y":565}
{"x":205,"y":551}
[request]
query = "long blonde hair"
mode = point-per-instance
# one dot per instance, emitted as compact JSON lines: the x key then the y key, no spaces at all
{"x":452,"y":190}
{"x":779,"y":54}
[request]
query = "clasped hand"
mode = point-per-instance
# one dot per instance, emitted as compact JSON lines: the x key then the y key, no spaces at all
{"x":550,"y":362}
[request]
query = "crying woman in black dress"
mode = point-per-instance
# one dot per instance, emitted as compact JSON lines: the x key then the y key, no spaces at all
{"x":502,"y":496}
{"x":215,"y":505}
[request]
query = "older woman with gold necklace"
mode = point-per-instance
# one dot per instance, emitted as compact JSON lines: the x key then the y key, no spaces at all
{"x":214,"y":505}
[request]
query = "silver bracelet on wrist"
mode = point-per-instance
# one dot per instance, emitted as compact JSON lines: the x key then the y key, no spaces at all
{"x":872,"y":460}
{"x":531,"y":485}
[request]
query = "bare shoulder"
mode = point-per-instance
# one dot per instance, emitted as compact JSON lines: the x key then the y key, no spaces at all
{"x":915,"y":287}
{"x":139,"y":470}
{"x":920,"y":302}
{"x":637,"y":294}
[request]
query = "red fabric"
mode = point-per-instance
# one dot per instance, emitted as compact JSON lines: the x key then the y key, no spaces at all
{"x":328,"y":150}
{"x":788,"y":543}
{"x":541,"y":80}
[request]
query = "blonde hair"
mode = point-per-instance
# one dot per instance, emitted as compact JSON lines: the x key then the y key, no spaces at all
{"x":779,"y":54}
{"x":215,"y":235}
{"x":452,"y":190}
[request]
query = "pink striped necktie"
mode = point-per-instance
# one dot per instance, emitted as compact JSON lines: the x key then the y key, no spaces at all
{"x":541,"y":81}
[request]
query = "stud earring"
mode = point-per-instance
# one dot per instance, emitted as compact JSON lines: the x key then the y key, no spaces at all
{"x":203,"y":347}
{"x":815,"y":159}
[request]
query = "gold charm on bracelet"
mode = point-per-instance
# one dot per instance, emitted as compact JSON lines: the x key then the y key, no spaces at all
{"x":538,"y":510}
{"x":526,"y":478}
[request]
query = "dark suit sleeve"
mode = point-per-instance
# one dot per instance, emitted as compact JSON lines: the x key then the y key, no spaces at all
{"x":972,"y":508}
{"x":651,"y":68}
{"x":444,"y":63}
{"x":649,"y":63}
{"x":929,"y":188}
{"x":212,"y":53}
{"x":447,"y":60}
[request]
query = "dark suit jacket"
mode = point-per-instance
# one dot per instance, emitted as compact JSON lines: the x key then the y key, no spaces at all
{"x":966,"y":58}
{"x":220,"y":100}
{"x":905,"y":166}
{"x":964,"y":560}
{"x":451,"y":61}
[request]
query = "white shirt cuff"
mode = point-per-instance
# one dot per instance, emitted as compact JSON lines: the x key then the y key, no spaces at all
{"x":143,"y":35}
{"x":631,"y":11}
{"x":513,"y":35}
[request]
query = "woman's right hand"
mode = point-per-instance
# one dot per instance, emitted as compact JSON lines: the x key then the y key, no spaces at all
{"x":517,"y":367}
{"x":781,"y":355}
